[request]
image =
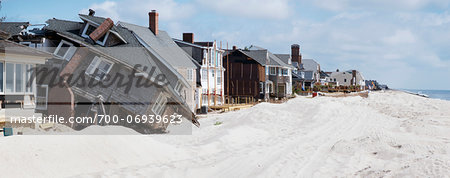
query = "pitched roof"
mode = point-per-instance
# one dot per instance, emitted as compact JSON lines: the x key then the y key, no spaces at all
{"x":15,"y":48}
{"x":13,"y":28}
{"x":310,"y":65}
{"x":131,"y":53}
{"x":262,"y":56}
{"x":163,"y":45}
{"x":284,"y":57}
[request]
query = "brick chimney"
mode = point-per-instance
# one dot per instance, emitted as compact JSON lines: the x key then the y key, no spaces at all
{"x":188,"y":37}
{"x":153,"y":21}
{"x":234,"y":47}
{"x":353,"y":81}
{"x":295,"y":54}
{"x":102,"y":29}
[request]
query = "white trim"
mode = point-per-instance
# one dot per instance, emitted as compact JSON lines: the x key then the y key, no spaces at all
{"x":275,"y":71}
{"x":160,"y":104}
{"x":115,"y":33}
{"x":87,"y":36}
{"x":66,"y":55}
{"x":36,"y":97}
{"x":94,"y":65}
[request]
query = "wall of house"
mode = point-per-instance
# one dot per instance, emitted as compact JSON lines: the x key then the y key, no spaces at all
{"x":244,"y":76}
{"x":188,"y":94}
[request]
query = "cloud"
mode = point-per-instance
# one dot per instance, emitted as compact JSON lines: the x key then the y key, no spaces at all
{"x":267,"y":9}
{"x":341,"y":5}
{"x":136,"y":11}
{"x":106,"y":9}
{"x":400,"y":37}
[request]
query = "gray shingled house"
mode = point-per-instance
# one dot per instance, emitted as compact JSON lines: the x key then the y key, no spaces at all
{"x":161,"y":43}
{"x":106,"y":69}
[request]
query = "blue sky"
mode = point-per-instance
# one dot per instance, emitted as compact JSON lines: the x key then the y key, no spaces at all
{"x":403,"y":43}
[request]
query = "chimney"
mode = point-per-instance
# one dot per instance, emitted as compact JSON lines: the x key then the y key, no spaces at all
{"x":234,"y":47}
{"x":295,"y":54}
{"x":153,"y":21}
{"x":102,"y":29}
{"x":353,"y":77}
{"x":188,"y":37}
{"x":91,"y":12}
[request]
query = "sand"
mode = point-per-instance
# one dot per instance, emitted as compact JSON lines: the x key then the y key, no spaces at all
{"x":388,"y":134}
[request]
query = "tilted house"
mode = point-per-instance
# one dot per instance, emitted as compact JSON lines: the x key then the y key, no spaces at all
{"x":211,"y":70}
{"x":256,"y":73}
{"x":161,"y":43}
{"x":98,"y":50}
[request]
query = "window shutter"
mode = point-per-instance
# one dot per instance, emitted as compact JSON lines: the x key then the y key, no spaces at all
{"x":92,"y":66}
{"x":70,"y":53}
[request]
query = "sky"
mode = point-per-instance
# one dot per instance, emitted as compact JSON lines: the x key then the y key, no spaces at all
{"x":401,"y":43}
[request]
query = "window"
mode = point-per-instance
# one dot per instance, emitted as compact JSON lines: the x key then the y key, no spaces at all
{"x":261,"y":87}
{"x":334,"y":79}
{"x":99,"y":68}
{"x":345,"y":80}
{"x":28,"y":82}
{"x":88,"y":29}
{"x":273,"y":71}
{"x":9,"y":77}
{"x":204,"y":75}
{"x":178,"y":87}
{"x":269,"y":88}
{"x":19,"y":78}
{"x":65,"y":50}
{"x":1,"y":77}
{"x":219,"y":78}
{"x":284,"y":72}
{"x":190,"y":74}
{"x":41,"y":97}
{"x":160,"y":104}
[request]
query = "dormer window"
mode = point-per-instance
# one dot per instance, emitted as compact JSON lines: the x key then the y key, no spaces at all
{"x":89,"y":28}
{"x":65,"y":50}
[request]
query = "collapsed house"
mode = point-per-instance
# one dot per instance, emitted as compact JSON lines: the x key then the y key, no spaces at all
{"x":159,"y":42}
{"x":256,"y":74}
{"x":211,"y":70}
{"x":103,"y":68}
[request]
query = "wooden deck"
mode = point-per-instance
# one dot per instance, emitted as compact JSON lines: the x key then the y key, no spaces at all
{"x":231,"y":107}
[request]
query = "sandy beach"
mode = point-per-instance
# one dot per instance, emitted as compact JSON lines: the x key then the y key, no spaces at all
{"x":392,"y":134}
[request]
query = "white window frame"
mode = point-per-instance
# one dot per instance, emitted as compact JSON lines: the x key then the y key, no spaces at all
{"x":190,"y":74}
{"x":94,"y":65}
{"x":178,"y":87}
{"x":66,"y":55}
{"x":160,"y":104}
{"x":274,"y":70}
{"x":287,"y":72}
{"x":46,"y":98}
{"x":24,"y":79}
{"x":87,"y":36}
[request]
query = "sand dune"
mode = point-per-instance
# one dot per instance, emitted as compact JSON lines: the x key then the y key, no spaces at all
{"x":387,"y":134}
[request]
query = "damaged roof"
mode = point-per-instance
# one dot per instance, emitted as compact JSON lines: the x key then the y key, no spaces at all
{"x":13,"y":28}
{"x":131,"y":53}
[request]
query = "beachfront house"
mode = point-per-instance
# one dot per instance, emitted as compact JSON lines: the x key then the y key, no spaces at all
{"x":347,"y":78}
{"x":99,"y":51}
{"x":161,"y":43}
{"x":255,"y":74}
{"x":211,"y":71}
{"x":306,"y":72}
{"x":17,"y":63}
